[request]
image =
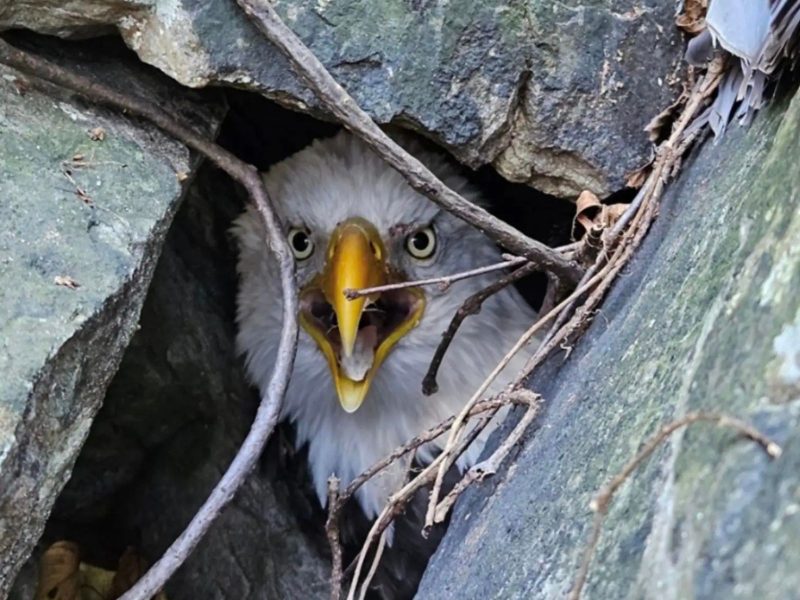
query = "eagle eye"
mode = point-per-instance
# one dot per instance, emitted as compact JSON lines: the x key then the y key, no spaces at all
{"x":422,"y":243}
{"x":300,"y":242}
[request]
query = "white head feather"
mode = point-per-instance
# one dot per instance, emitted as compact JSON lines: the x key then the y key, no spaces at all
{"x":320,"y":186}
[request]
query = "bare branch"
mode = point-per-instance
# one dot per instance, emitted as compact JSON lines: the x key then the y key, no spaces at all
{"x":602,"y":500}
{"x":269,"y":408}
{"x":443,"y":282}
{"x":342,"y":106}
{"x":374,"y":567}
{"x":332,"y":531}
{"x":431,"y":434}
{"x":446,"y":459}
{"x":483,"y":469}
{"x":471,"y":306}
{"x":397,"y":503}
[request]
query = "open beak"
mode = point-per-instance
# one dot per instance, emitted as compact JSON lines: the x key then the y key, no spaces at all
{"x":356,"y":335}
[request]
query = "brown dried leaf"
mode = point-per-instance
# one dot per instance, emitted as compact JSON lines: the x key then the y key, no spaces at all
{"x":613,"y":212}
{"x":96,"y":583}
{"x":66,"y":281}
{"x":594,"y":216}
{"x":59,"y":575}
{"x":63,"y":577}
{"x":656,"y":128}
{"x":130,"y":568}
{"x":98,"y":134}
{"x":693,"y":18}
{"x":587,"y":207}
{"x":636,"y":179}
{"x":182,"y":176}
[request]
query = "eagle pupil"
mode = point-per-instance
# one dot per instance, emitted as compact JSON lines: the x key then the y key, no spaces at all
{"x":300,"y":242}
{"x":420,"y":241}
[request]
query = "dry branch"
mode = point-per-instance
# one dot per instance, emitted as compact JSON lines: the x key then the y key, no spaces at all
{"x":443,"y":282}
{"x":269,"y":408}
{"x":449,"y":455}
{"x":602,"y":500}
{"x":471,"y":306}
{"x":332,"y":531}
{"x":483,"y":469}
{"x":342,"y":106}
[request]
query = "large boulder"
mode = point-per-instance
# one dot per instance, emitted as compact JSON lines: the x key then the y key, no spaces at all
{"x":706,"y":318}
{"x":174,"y":415}
{"x":555,"y":94}
{"x":83,"y":224}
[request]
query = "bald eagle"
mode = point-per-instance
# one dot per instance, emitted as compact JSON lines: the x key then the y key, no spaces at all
{"x":355,"y":394}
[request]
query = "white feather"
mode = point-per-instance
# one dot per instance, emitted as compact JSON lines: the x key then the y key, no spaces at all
{"x":320,"y":186}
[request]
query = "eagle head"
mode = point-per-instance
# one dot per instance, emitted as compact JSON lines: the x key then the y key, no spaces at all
{"x":353,"y":222}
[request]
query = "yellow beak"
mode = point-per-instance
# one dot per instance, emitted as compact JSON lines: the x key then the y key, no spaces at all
{"x":356,"y":335}
{"x":354,"y":262}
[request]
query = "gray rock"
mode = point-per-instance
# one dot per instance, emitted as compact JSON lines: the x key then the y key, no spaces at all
{"x":173,"y":418}
{"x":59,"y":347}
{"x":706,"y":318}
{"x":555,"y":94}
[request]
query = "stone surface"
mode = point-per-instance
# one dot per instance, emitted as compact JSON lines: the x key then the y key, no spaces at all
{"x":173,"y":418}
{"x":706,"y":318}
{"x":555,"y":94}
{"x":59,"y":347}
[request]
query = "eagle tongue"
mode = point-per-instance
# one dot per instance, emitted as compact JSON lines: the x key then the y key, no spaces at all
{"x":357,"y":365}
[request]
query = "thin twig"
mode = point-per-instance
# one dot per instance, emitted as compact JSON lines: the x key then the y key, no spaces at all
{"x":640,"y":219}
{"x":483,"y":469}
{"x":396,"y":505}
{"x":443,"y":282}
{"x":447,"y":457}
{"x":269,"y":408}
{"x":332,"y":531}
{"x":335,"y":508}
{"x":471,"y":306}
{"x":602,"y":500}
{"x":342,"y":106}
{"x":374,"y":567}
{"x":423,"y":438}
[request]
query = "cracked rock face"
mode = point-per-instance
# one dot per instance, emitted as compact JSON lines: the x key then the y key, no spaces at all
{"x":706,"y":319}
{"x":83,"y":222}
{"x":554,"y":94}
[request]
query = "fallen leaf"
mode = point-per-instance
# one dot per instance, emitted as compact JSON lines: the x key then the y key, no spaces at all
{"x":66,"y":281}
{"x":693,"y":18}
{"x":594,"y":216}
{"x":182,"y":176}
{"x":656,"y":129}
{"x":636,"y":179}
{"x":62,"y":576}
{"x":586,"y":208}
{"x":98,"y":134}
{"x":96,"y":583}
{"x":59,"y":575}
{"x":130,"y":568}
